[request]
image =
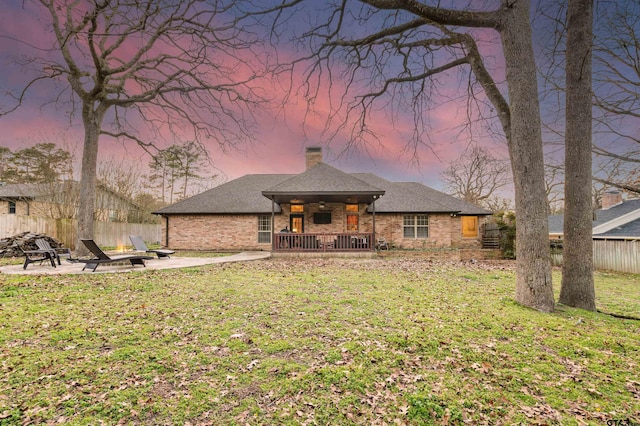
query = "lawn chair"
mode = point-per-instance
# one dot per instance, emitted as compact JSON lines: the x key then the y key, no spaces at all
{"x":139,"y":245}
{"x":32,"y":256}
{"x":101,"y":257}
{"x":382,"y":244}
{"x":54,"y":252}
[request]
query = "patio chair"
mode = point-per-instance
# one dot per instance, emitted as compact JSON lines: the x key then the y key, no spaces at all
{"x":382,"y":244}
{"x":32,"y":256}
{"x":139,"y":245}
{"x":102,"y":258}
{"x":55,"y":252}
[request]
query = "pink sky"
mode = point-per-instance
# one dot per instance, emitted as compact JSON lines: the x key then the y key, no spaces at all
{"x":280,"y":139}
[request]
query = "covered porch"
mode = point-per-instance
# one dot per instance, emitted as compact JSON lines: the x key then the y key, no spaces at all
{"x":313,"y":242}
{"x":323,"y":210}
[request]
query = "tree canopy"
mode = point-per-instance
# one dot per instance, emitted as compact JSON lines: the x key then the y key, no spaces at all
{"x":146,"y":71}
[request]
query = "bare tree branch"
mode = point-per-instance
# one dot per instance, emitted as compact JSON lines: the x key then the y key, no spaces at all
{"x":146,"y":70}
{"x":389,"y":57}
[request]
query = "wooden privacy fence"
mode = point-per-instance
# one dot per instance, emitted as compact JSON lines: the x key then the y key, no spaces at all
{"x":621,"y":255}
{"x":108,"y":234}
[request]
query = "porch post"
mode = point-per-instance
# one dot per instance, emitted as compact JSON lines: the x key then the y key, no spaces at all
{"x":373,"y":210}
{"x":273,"y":225}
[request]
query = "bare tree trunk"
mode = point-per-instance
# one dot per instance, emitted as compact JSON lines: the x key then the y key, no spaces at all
{"x":92,"y":121}
{"x":577,"y":288}
{"x":533,"y":265}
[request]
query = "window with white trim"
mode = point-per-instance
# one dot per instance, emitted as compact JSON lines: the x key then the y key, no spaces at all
{"x":415,"y":226}
{"x":12,"y":207}
{"x":264,"y":229}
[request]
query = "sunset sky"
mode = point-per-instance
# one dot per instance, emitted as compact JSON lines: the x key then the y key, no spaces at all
{"x":280,"y":135}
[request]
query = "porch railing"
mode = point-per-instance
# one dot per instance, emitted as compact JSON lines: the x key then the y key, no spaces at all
{"x":294,"y":242}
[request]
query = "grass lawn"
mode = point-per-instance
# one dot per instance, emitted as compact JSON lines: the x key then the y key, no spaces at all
{"x":323,"y":341}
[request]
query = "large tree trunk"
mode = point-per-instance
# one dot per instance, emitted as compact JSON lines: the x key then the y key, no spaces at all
{"x":577,"y":271}
{"x":533,"y":265}
{"x":92,"y":121}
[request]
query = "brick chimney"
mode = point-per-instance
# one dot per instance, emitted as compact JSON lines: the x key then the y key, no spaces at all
{"x":313,"y":156}
{"x":610,"y":199}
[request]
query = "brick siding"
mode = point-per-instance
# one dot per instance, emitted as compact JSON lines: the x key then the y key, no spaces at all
{"x":240,"y":232}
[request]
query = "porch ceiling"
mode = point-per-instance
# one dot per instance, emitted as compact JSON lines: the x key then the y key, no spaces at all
{"x":325,"y":196}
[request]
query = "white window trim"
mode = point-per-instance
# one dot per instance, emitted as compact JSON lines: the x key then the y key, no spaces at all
{"x":415,"y":226}
{"x":264,"y":231}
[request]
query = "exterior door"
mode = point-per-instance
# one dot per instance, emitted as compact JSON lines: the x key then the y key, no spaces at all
{"x":469,"y":226}
{"x":296,"y":223}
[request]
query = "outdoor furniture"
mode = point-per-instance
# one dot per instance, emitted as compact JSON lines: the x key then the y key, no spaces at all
{"x":32,"y":256}
{"x":139,"y":245}
{"x":54,"y":252}
{"x":382,"y":244}
{"x":101,"y":257}
{"x":359,"y":243}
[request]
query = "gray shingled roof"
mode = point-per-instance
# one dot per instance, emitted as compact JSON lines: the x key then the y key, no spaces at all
{"x":602,"y":216}
{"x":556,"y":224}
{"x":405,"y":197}
{"x":629,"y":229}
{"x":322,"y":179}
{"x":410,"y":197}
{"x":242,"y":195}
{"x":21,"y":190}
{"x":248,"y":194}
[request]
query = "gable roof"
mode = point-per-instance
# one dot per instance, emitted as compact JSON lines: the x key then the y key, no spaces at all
{"x":621,"y":220}
{"x":252,"y":193}
{"x":323,"y":181}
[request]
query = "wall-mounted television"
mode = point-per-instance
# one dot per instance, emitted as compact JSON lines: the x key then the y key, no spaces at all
{"x":322,"y":218}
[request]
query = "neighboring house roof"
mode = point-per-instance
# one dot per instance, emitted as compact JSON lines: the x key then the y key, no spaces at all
{"x":556,"y":224}
{"x":630,"y":229}
{"x":36,"y":190}
{"x":622,"y":220}
{"x":249,"y":193}
{"x":19,"y":190}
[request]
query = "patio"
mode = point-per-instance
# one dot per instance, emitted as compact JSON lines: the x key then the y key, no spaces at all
{"x":164,"y":263}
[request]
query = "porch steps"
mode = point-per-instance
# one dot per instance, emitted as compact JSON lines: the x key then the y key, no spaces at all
{"x":490,"y":242}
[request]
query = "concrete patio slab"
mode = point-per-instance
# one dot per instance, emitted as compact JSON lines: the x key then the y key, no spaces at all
{"x":163,"y":263}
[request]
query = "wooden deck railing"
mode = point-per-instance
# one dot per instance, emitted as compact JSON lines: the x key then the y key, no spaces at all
{"x":293,"y":242}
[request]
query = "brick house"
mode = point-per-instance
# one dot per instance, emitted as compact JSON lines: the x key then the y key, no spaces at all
{"x":321,"y":209}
